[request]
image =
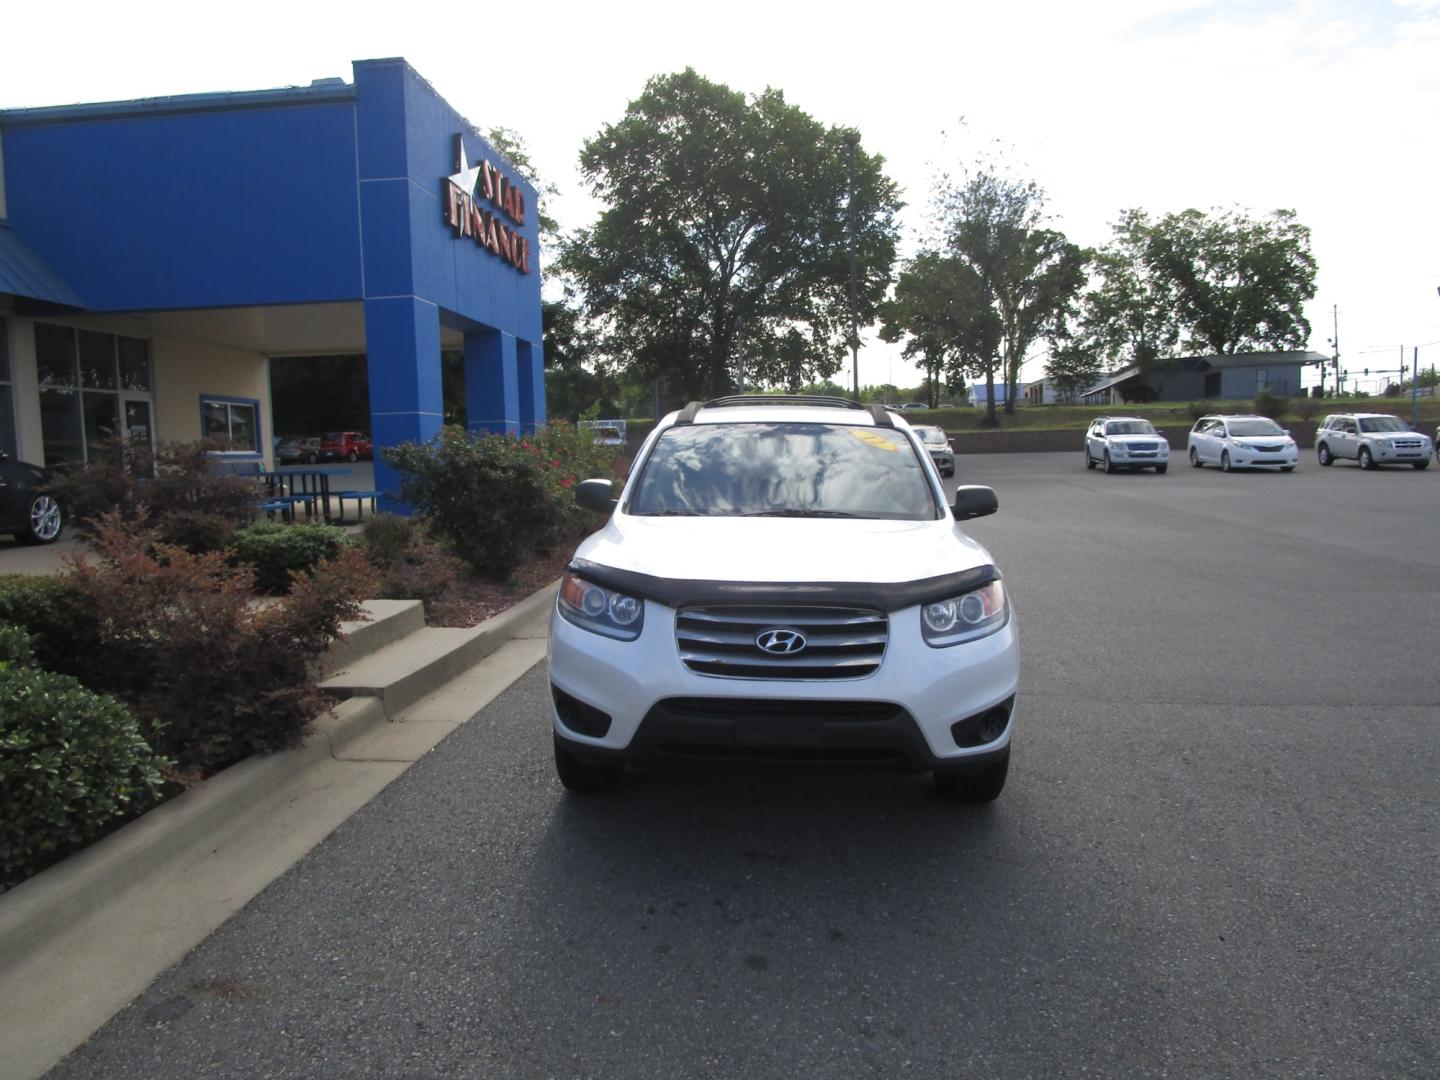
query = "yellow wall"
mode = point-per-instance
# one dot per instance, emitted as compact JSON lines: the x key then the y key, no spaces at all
{"x":183,"y":371}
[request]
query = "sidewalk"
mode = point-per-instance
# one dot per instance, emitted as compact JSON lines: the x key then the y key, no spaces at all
{"x":18,"y":558}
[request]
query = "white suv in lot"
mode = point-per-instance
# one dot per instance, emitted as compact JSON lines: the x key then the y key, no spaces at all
{"x":1371,"y":439}
{"x":1125,"y":442}
{"x":1241,"y":442}
{"x":781,"y":580}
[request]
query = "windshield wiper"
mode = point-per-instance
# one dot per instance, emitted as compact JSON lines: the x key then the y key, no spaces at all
{"x":801,"y":513}
{"x":670,"y":513}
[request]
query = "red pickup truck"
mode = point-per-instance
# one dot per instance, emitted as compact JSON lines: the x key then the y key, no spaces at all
{"x":345,"y":446}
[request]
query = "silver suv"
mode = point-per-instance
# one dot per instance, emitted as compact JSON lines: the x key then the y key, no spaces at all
{"x":1125,"y":442}
{"x":1371,"y":439}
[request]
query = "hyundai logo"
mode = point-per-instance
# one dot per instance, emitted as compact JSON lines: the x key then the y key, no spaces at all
{"x":780,"y":642}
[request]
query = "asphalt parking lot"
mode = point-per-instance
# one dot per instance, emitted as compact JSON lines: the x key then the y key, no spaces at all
{"x":1217,"y":855}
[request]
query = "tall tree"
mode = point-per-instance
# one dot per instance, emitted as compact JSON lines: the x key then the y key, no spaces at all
{"x":1130,"y":316}
{"x":725,"y":233}
{"x":1028,"y":274}
{"x":949,"y":329}
{"x":1239,"y":283}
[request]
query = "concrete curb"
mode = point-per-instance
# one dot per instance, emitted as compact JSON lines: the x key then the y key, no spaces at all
{"x":39,"y":910}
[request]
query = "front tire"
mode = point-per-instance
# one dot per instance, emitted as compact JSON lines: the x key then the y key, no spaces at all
{"x":1161,"y":470}
{"x":1194,"y":459}
{"x":1418,"y":465}
{"x":1109,"y":465}
{"x":1287,"y":468}
{"x":1322,"y":452}
{"x":1089,"y":461}
{"x":974,"y":788}
{"x":1364,"y":459}
{"x":312,"y":458}
{"x":584,"y":777}
{"x":352,"y":457}
{"x":44,"y":522}
{"x":1225,"y":461}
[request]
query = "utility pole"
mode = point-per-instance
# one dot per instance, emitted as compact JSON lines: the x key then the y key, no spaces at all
{"x":1335,"y":341}
{"x":1414,"y":391}
{"x":851,"y":138}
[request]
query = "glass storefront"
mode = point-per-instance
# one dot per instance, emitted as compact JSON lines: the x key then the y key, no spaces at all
{"x":7,"y":395}
{"x":88,"y":381}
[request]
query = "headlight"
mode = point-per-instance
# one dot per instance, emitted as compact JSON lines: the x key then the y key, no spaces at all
{"x":601,"y":610}
{"x":1117,"y":448}
{"x":965,"y":617}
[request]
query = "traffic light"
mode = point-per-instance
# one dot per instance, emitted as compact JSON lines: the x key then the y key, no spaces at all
{"x":1367,"y":371}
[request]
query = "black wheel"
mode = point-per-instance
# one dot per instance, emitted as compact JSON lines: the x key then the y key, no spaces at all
{"x":1323,"y":455}
{"x":1418,"y":465}
{"x":583,"y":776}
{"x":1224,"y":460}
{"x":1089,"y":461}
{"x":1364,"y":460}
{"x":1161,"y":470}
{"x":44,"y":522}
{"x":352,"y":457}
{"x":1109,"y":465}
{"x":1195,"y":462}
{"x":975,"y":787}
{"x":312,"y":458}
{"x":1287,"y":468}
{"x":949,"y":472}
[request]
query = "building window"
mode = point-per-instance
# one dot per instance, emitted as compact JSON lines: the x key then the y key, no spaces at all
{"x":1212,"y":384}
{"x":88,"y":380}
{"x":7,"y":395}
{"x":232,"y":424}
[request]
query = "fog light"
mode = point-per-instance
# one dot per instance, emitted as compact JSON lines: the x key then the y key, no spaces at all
{"x":578,"y":717}
{"x":983,"y":727}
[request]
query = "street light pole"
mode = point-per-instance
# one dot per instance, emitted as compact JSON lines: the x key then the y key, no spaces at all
{"x":851,"y":138}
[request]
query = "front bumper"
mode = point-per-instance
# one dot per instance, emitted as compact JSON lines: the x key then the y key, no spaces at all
{"x":908,"y":713}
{"x":1245,"y":459}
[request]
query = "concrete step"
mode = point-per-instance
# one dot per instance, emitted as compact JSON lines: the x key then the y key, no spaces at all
{"x":404,"y":671}
{"x":388,"y":621}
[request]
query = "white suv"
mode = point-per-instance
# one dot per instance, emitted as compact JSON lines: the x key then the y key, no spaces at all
{"x":1125,"y":442}
{"x":1241,"y":442}
{"x":781,"y":580}
{"x":1371,"y":439}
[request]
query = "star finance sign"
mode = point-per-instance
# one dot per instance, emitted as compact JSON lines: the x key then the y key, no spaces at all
{"x":461,"y":196}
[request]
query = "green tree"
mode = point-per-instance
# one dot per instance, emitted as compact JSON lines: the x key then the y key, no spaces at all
{"x":511,"y":144}
{"x":1130,"y":316}
{"x":724,"y":238}
{"x":941,"y":313}
{"x":1073,"y":365}
{"x":1239,"y":283}
{"x":1027,"y":275}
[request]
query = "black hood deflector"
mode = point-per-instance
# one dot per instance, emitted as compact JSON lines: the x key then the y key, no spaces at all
{"x":880,"y":595}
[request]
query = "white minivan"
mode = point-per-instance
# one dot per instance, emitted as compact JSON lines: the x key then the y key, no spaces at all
{"x":1241,"y":442}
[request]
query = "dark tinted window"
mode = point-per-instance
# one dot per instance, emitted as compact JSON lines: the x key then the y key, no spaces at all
{"x":783,"y":469}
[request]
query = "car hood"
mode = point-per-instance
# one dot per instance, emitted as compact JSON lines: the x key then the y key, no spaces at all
{"x":1260,"y":440}
{"x":783,"y":549}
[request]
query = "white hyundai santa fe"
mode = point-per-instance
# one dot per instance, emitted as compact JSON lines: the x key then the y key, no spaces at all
{"x":782,"y":580}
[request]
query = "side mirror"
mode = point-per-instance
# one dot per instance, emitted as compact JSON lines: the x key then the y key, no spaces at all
{"x":596,"y":495}
{"x":973,"y":500}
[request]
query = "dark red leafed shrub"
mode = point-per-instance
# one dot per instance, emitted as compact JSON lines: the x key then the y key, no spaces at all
{"x":213,"y":675}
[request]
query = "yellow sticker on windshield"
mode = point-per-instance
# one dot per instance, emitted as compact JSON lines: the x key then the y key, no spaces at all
{"x":874,"y":438}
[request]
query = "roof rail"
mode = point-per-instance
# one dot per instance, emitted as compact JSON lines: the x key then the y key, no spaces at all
{"x":878,"y":413}
{"x":783,"y":399}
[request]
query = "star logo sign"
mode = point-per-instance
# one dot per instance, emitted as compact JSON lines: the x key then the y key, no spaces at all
{"x":466,"y":176}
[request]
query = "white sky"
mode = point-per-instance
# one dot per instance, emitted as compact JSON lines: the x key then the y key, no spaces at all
{"x":1329,"y":107}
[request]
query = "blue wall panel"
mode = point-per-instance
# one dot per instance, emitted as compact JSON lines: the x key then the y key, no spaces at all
{"x":195,"y":209}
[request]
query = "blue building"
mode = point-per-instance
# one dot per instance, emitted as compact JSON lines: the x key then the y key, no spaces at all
{"x":155,"y":254}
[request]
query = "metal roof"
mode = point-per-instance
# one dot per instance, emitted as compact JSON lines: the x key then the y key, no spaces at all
{"x":23,"y":273}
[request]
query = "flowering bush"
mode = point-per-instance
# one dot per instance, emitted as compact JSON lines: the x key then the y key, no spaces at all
{"x":496,"y":498}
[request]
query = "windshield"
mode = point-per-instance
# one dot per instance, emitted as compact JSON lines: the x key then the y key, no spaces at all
{"x":1130,"y":427}
{"x":1255,"y":427}
{"x":783,"y":470}
{"x":932,"y":436}
{"x":1382,"y":423}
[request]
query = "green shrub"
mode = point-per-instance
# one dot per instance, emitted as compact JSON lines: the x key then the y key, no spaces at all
{"x":72,"y":764}
{"x":496,"y":498}
{"x":214,"y":676}
{"x":176,"y":491}
{"x":387,"y":536}
{"x":61,"y":623}
{"x":15,"y":646}
{"x":1268,"y":403}
{"x":278,"y":552}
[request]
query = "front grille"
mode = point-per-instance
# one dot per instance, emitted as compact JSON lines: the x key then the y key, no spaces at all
{"x":840,"y":643}
{"x":1407,"y":444}
{"x":1144,"y":448}
{"x":1268,"y":449}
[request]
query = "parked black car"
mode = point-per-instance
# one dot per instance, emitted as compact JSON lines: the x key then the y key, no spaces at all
{"x":25,"y":510}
